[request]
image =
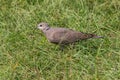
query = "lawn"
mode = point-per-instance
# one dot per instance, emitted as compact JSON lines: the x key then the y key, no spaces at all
{"x":25,"y":53}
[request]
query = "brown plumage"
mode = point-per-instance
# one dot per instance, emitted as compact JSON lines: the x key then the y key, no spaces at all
{"x":63,"y":35}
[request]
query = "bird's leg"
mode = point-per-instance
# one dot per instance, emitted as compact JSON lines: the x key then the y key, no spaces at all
{"x":62,"y":47}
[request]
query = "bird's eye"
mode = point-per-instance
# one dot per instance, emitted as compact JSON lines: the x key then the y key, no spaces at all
{"x":40,"y":25}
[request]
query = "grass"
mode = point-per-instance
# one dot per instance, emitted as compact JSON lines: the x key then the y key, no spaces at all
{"x":25,"y":54}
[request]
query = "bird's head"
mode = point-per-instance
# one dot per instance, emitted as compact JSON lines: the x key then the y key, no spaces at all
{"x":43,"y":26}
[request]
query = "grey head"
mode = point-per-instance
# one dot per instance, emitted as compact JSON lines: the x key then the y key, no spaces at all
{"x":43,"y":26}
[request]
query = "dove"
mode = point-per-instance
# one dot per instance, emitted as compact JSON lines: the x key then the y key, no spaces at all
{"x":59,"y":35}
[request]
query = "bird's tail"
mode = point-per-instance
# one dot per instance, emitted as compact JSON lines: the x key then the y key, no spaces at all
{"x":95,"y":36}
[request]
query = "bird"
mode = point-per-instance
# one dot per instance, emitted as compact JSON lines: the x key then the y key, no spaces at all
{"x":58,"y":35}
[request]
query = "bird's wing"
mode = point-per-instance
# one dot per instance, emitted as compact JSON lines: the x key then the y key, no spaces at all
{"x":68,"y":36}
{"x":63,"y":36}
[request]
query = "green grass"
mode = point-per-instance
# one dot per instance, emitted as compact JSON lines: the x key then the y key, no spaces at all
{"x":25,"y":54}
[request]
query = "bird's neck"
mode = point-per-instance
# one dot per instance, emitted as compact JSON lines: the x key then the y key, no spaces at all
{"x":46,"y":29}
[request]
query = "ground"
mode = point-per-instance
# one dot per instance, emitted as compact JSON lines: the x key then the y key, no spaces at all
{"x":25,"y":54}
